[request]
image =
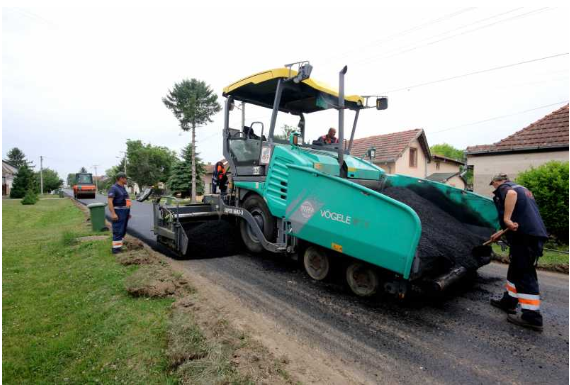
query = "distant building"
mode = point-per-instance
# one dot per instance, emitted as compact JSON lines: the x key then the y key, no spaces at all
{"x":539,"y":143}
{"x":405,"y":152}
{"x":8,"y":174}
{"x":446,"y":170}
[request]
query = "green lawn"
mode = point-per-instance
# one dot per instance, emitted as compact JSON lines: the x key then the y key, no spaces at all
{"x":66,"y":317}
{"x":548,"y":258}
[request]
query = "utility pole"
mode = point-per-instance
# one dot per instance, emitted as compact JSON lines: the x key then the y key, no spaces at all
{"x":242,"y":115}
{"x":96,"y":182}
{"x":42,"y":174}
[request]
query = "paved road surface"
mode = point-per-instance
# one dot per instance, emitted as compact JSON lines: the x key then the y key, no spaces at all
{"x":458,"y":339}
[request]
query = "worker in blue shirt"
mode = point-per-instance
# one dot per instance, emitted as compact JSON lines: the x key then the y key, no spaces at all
{"x":526,"y":235}
{"x":120,"y":207}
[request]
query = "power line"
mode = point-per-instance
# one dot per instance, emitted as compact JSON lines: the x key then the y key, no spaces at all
{"x":497,"y":117}
{"x":414,"y":46}
{"x":474,"y":73}
{"x":402,"y":33}
{"x":374,"y":58}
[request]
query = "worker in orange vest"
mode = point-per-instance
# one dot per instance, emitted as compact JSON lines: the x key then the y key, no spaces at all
{"x":219,"y":179}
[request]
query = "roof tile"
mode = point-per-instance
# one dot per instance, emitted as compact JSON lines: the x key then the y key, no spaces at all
{"x":548,"y":132}
{"x":388,"y":147}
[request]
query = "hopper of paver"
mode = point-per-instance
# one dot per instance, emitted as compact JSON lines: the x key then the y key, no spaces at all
{"x":455,"y":223}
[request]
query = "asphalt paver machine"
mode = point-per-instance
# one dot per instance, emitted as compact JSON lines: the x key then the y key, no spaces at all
{"x":315,"y":201}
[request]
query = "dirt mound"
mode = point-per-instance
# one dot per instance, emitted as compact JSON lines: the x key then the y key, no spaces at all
{"x":213,"y":239}
{"x":136,"y":257}
{"x":446,"y":241}
{"x":131,"y":243}
{"x":155,"y":281}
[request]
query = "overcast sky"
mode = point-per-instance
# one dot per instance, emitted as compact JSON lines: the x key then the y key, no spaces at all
{"x":77,"y":83}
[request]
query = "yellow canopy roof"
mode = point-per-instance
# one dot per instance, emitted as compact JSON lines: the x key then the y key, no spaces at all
{"x":307,"y":96}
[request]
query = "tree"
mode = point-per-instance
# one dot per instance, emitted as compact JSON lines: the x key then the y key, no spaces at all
{"x":180,"y":181}
{"x":23,"y":182}
{"x":51,"y":180}
{"x":549,"y":186}
{"x":148,"y":164}
{"x":17,"y":158}
{"x":70,"y":179}
{"x":448,"y":151}
{"x":286,"y":131}
{"x":82,"y":170}
{"x":193,"y":103}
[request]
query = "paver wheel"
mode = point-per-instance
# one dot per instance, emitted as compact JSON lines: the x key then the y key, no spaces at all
{"x":260,"y":212}
{"x":362,"y":279}
{"x":317,"y":263}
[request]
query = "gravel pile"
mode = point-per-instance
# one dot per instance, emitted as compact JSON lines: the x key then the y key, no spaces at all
{"x":446,"y":241}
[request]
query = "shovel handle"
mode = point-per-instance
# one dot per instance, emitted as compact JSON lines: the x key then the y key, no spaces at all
{"x":500,"y":234}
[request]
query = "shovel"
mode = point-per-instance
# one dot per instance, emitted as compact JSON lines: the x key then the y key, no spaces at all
{"x":483,"y":252}
{"x":501,"y":233}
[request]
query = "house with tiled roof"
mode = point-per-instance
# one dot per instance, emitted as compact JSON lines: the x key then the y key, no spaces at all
{"x":539,"y":143}
{"x":447,"y":170}
{"x":8,"y":174}
{"x":405,"y":152}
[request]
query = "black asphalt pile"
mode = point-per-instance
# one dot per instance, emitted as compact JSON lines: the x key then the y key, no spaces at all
{"x":213,"y":239}
{"x":446,"y":241}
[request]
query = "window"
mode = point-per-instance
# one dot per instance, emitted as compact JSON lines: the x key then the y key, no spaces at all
{"x":413,"y":157}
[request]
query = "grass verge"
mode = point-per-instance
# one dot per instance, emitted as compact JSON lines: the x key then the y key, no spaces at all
{"x":65,"y":314}
{"x":550,"y":260}
{"x":72,"y":314}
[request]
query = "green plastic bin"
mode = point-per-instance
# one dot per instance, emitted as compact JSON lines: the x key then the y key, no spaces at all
{"x":97,"y":211}
{"x":61,"y":193}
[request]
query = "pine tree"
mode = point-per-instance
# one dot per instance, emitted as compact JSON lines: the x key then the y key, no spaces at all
{"x":180,"y":180}
{"x":23,"y":182}
{"x":17,"y":158}
{"x":193,"y":103}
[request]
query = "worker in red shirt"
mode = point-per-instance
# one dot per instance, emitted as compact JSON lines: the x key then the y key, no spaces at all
{"x":329,"y":138}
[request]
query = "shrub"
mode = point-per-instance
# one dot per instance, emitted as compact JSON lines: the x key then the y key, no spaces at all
{"x":31,"y":198}
{"x":549,"y":185}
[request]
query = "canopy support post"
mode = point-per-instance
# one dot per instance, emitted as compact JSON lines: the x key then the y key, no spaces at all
{"x":341,"y":118}
{"x":276,"y":103}
{"x":353,"y":131}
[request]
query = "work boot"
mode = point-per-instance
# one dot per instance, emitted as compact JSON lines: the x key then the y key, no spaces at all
{"x":528,"y":319}
{"x":507,"y":304}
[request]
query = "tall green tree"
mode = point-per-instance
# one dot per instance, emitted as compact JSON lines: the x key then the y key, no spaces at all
{"x":23,"y":182}
{"x":148,"y":164}
{"x":17,"y":158}
{"x":193,"y":103}
{"x":180,"y":181}
{"x":448,"y":150}
{"x":52,"y":181}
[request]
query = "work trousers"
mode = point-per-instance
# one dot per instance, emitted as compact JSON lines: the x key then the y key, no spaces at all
{"x":522,"y":281}
{"x":223,"y":188}
{"x":120,"y":228}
